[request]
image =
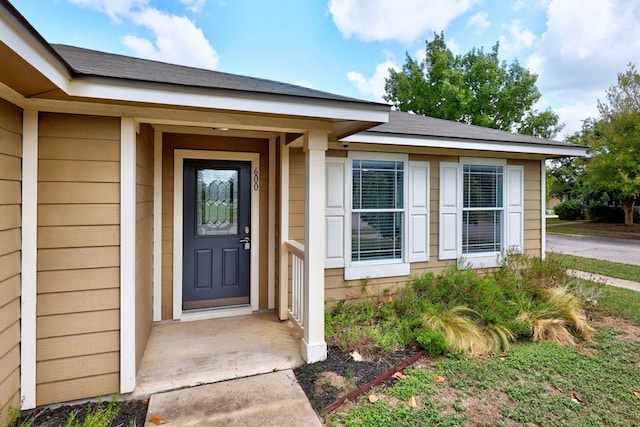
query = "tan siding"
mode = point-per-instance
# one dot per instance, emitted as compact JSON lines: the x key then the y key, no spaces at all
{"x":77,"y":345}
{"x":144,"y":238}
{"x":77,"y":388}
{"x":10,"y":244}
{"x":338,"y":289}
{"x":78,"y":256}
{"x":200,"y":142}
{"x":296,"y":194}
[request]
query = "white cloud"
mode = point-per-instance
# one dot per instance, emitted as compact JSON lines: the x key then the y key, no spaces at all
{"x":403,"y":20}
{"x":115,"y":9}
{"x":373,"y":86}
{"x":480,"y":22}
{"x":519,"y":37}
{"x":176,"y":39}
{"x":583,"y":48}
{"x":581,"y":51}
{"x":193,"y":5}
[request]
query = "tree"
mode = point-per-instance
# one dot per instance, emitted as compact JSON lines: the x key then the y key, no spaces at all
{"x":615,"y":147}
{"x":475,"y":88}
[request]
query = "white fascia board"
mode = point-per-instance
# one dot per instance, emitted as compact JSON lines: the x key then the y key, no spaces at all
{"x":205,"y":98}
{"x":507,"y":147}
{"x":32,"y":51}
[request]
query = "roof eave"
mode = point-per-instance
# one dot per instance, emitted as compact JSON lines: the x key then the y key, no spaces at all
{"x":547,"y":150}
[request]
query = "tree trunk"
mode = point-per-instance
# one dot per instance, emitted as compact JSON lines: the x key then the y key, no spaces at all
{"x":627,"y":206}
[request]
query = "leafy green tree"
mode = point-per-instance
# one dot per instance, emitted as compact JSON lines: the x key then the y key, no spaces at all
{"x":615,"y":142}
{"x":475,"y":88}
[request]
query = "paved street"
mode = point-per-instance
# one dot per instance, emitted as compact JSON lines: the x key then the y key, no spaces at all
{"x":616,"y":250}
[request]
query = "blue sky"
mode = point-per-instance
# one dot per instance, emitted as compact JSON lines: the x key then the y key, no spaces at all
{"x":347,"y":46}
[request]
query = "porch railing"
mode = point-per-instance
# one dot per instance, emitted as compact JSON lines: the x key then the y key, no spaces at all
{"x":296,"y":308}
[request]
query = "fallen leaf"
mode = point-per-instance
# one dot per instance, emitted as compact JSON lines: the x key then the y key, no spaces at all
{"x":157,"y":420}
{"x":389,"y":299}
{"x":373,"y":398}
{"x":412,"y":402}
{"x":636,"y":393}
{"x":399,"y":376}
{"x":575,"y":398}
{"x":356,"y":356}
{"x":438,"y":379}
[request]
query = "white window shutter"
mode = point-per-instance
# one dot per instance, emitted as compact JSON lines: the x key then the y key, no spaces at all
{"x":515,"y":209}
{"x":335,"y":211}
{"x":418,"y":211}
{"x":449,"y":224}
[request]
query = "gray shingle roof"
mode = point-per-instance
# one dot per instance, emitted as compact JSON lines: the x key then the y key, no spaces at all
{"x":416,"y":125}
{"x":101,"y":64}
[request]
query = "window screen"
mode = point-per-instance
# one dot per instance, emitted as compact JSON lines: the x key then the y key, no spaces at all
{"x":482,"y":211}
{"x":377,"y":210}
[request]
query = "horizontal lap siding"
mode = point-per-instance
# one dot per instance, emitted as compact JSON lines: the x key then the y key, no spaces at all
{"x":78,"y":320}
{"x":10,"y":245}
{"x":144,"y":238}
{"x":337,"y":288}
{"x":171,"y":142}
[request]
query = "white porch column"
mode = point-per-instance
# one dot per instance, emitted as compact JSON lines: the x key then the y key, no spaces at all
{"x":314,"y":348}
{"x":29,"y":259}
{"x":283,"y":309}
{"x":127,"y":254}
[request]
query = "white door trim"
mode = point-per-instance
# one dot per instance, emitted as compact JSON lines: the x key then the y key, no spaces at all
{"x":178,"y":165}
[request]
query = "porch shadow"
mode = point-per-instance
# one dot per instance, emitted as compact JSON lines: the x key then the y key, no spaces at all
{"x":185,"y":354}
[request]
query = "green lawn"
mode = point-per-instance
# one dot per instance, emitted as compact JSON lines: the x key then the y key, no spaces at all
{"x":606,"y":268}
{"x":587,"y":228}
{"x":593,"y":383}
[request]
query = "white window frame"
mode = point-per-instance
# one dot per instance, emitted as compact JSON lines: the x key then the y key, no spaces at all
{"x":375,"y":268}
{"x":483,"y":259}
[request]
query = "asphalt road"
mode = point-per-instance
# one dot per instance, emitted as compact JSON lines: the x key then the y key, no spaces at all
{"x":616,"y":250}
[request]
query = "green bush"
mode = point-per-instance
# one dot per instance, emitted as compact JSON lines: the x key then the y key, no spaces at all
{"x":570,"y":209}
{"x":603,"y":213}
{"x":432,"y":342}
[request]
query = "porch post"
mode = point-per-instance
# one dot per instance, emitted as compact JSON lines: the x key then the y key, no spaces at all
{"x":283,"y":280}
{"x":314,"y":347}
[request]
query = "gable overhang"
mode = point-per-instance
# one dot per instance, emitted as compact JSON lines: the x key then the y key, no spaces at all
{"x":544,"y":150}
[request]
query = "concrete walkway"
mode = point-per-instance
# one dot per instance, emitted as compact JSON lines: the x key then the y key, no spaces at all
{"x":612,"y":281}
{"x":274,"y":399}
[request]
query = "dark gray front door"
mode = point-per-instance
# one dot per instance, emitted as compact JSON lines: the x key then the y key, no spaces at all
{"x":216,"y":247}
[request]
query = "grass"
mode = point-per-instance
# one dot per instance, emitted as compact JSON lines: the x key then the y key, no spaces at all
{"x":533,"y":385}
{"x":594,"y":382}
{"x":587,"y":228}
{"x":606,"y":268}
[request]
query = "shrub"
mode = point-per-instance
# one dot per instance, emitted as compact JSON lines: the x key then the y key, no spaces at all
{"x":570,"y":209}
{"x":603,"y":213}
{"x":432,"y":342}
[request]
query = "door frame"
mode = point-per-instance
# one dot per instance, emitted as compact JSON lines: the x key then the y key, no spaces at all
{"x":179,"y":155}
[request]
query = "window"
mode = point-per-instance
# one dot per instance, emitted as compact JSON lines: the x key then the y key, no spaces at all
{"x":376,"y":214}
{"x":377,"y":210}
{"x":482,"y":209}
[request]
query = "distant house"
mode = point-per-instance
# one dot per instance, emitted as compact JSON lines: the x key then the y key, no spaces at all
{"x":134,"y":191}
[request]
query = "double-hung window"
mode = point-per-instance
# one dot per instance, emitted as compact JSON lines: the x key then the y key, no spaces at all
{"x":482,"y":208}
{"x":377,"y":210}
{"x":376,"y":213}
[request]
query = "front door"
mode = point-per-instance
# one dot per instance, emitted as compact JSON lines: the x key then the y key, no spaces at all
{"x":216,"y":237}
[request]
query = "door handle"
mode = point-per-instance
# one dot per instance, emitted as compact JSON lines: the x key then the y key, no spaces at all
{"x":245,"y":240}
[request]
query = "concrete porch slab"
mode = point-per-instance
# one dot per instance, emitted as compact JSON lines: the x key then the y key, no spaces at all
{"x":273,"y":399}
{"x":185,"y":354}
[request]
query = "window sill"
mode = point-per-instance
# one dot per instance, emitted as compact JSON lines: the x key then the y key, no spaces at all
{"x":372,"y":270}
{"x":483,"y":260}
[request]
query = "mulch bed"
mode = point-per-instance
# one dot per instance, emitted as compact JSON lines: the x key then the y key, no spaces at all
{"x":342,"y":364}
{"x":129,"y":410}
